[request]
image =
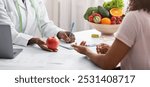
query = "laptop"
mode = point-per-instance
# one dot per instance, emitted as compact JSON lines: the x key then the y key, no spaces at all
{"x":6,"y":45}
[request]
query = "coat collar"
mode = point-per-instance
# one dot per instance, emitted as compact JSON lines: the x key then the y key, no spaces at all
{"x":21,"y":4}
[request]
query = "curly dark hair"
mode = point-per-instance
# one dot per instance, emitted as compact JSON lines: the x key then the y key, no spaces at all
{"x":139,"y":5}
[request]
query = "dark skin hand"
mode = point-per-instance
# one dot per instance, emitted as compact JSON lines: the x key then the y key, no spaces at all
{"x":102,"y":48}
{"x":68,"y":37}
{"x":41,"y":44}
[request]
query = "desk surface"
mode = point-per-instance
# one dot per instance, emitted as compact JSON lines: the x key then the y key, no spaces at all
{"x":33,"y":58}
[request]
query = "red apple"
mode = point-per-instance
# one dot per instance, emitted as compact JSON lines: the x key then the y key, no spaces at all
{"x":52,"y":43}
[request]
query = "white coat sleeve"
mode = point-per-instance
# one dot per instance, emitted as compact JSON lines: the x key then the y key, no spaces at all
{"x":17,"y":38}
{"x":48,"y":28}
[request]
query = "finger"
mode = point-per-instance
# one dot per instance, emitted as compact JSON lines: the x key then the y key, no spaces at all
{"x":41,"y":42}
{"x":66,"y":38}
{"x":102,"y":44}
{"x":46,"y":49}
{"x":97,"y":46}
{"x":98,"y":52}
{"x":72,"y":37}
{"x":74,"y":45}
{"x":102,"y":51}
{"x":83,"y":43}
{"x":98,"y":49}
{"x":55,"y":50}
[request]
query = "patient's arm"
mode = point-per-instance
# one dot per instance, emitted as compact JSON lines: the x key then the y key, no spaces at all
{"x":106,"y":61}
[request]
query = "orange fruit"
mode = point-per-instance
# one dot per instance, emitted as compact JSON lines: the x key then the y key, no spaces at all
{"x":116,"y":12}
{"x":105,"y":21}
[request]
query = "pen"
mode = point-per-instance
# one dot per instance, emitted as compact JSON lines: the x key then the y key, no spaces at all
{"x":69,"y":48}
{"x":91,"y":45}
{"x":72,"y":27}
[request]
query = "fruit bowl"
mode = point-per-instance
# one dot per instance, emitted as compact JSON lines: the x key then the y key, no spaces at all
{"x":106,"y":18}
{"x":105,"y":29}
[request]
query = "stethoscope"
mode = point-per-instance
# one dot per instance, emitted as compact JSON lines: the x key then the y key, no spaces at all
{"x":20,"y":16}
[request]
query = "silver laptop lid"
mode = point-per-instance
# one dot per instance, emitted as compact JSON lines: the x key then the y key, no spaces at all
{"x":6,"y":46}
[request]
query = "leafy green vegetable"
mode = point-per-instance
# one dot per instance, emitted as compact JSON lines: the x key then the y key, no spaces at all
{"x":113,"y":4}
{"x":104,"y":12}
{"x":89,"y":11}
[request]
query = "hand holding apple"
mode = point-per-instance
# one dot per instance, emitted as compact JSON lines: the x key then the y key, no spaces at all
{"x":41,"y":44}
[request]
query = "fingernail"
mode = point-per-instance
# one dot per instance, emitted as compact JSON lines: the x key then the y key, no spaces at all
{"x":68,"y":40}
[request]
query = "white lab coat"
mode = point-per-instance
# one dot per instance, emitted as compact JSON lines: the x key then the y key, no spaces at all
{"x":9,"y":15}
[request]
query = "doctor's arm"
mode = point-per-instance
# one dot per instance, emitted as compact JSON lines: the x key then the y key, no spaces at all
{"x":18,"y":38}
{"x":48,"y":28}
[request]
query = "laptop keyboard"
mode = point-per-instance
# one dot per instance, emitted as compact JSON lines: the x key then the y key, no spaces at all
{"x":14,"y":53}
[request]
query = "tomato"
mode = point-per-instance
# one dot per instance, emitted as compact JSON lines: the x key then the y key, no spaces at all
{"x":91,"y":18}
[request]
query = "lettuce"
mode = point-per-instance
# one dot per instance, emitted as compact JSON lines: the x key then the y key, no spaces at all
{"x":113,"y":4}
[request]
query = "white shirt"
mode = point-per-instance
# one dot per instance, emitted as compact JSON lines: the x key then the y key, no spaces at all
{"x":135,"y":33}
{"x":9,"y":15}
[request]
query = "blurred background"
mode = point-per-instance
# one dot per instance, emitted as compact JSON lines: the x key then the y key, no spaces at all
{"x":64,"y":12}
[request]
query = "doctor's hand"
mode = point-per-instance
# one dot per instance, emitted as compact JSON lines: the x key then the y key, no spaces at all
{"x":82,"y":48}
{"x":41,"y":44}
{"x":68,"y":37}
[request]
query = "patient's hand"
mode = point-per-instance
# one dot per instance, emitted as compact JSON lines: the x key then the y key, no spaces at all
{"x":81,"y":48}
{"x":102,"y":48}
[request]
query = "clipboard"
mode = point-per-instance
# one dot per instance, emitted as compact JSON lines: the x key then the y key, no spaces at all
{"x":66,"y":45}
